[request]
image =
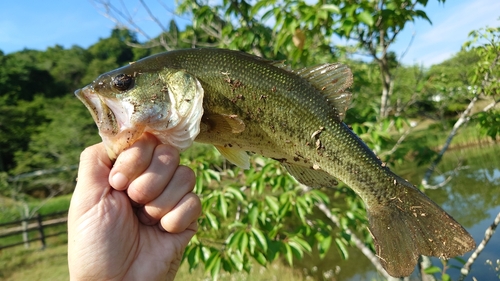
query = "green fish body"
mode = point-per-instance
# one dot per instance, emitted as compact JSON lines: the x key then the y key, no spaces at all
{"x":239,"y":103}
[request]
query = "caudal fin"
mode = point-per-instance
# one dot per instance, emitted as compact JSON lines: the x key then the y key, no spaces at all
{"x":410,"y":225}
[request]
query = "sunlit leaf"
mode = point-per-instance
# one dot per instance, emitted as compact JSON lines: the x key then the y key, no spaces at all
{"x":324,"y":246}
{"x":288,"y":254}
{"x":260,"y":258}
{"x":342,"y":248}
{"x":272,"y":203}
{"x":237,"y":260}
{"x":331,"y":8}
{"x":260,"y":238}
{"x":223,"y":205}
{"x":432,"y":270}
{"x":213,"y":220}
{"x":243,"y":243}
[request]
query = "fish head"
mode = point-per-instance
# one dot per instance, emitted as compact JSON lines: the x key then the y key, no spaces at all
{"x":126,"y":102}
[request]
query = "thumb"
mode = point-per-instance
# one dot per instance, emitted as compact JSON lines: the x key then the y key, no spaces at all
{"x":93,"y":172}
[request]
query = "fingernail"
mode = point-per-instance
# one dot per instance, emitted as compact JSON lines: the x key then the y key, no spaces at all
{"x":119,"y":181}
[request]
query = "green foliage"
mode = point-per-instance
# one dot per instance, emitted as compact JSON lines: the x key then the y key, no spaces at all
{"x":489,"y":123}
{"x":259,"y":214}
{"x":486,"y":77}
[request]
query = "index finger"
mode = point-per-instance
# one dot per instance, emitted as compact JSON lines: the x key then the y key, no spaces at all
{"x":133,"y":161}
{"x":93,"y":173}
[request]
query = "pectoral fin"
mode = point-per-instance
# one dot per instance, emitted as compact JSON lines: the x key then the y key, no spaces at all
{"x":310,"y":177}
{"x":223,"y":123}
{"x":236,"y":156}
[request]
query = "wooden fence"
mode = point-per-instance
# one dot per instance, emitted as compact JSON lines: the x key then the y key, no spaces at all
{"x":40,"y":224}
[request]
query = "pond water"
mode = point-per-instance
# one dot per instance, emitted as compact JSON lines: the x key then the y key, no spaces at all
{"x":472,"y":197}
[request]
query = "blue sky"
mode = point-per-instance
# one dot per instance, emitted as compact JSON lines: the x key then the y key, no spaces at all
{"x":40,"y":24}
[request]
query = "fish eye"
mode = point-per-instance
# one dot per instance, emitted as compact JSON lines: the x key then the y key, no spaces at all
{"x":122,"y":82}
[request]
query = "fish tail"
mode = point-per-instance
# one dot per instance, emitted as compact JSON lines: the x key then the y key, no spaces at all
{"x":410,"y":225}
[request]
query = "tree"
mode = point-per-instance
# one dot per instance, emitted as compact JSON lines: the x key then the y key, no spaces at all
{"x":483,"y":82}
{"x":110,"y":53}
{"x":373,"y":25}
{"x":303,"y":32}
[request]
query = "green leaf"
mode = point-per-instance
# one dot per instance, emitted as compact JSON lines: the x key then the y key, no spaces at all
{"x":272,"y":203}
{"x":366,"y":18}
{"x":214,"y":174}
{"x":213,"y":265}
{"x":260,"y":238}
{"x":284,"y":209}
{"x":222,"y":206}
{"x":347,"y":26}
{"x":432,"y":270}
{"x":192,"y":255}
{"x":303,"y":243}
{"x":342,"y":248}
{"x":256,"y":8}
{"x":260,"y":258}
{"x":243,"y":242}
{"x":288,"y":254}
{"x":214,"y":222}
{"x":324,"y":246}
{"x":319,"y":196}
{"x":237,"y":260}
{"x":253,"y":214}
{"x":233,"y":239}
{"x":299,"y":252}
{"x":238,"y":194}
{"x":331,"y":8}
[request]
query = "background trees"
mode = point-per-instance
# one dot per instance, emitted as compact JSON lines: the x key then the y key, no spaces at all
{"x":259,"y":215}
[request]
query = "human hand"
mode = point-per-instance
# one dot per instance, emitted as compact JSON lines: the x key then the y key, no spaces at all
{"x":131,"y":220}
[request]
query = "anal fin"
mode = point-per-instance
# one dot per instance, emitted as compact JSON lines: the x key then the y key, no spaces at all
{"x":310,"y":177}
{"x":236,"y":156}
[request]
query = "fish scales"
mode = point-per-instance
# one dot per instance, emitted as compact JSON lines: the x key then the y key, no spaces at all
{"x":293,"y":116}
{"x":344,"y":149}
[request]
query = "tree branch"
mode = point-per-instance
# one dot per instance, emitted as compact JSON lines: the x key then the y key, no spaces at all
{"x":487,"y":236}
{"x":42,"y":173}
{"x":358,"y":242}
{"x":398,"y":143}
{"x":464,"y":118}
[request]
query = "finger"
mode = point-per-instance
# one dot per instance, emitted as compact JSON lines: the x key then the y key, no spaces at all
{"x":152,"y":182}
{"x":181,"y":183}
{"x":132,"y":162}
{"x":183,"y":215}
{"x":93,"y":174}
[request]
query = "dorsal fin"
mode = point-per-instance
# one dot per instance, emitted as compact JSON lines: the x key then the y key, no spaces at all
{"x":281,"y":64}
{"x":331,"y":79}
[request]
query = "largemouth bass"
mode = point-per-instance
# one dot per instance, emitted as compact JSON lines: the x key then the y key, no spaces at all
{"x":241,"y":103}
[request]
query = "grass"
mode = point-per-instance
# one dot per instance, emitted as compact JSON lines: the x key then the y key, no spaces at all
{"x":10,"y":211}
{"x":51,"y":264}
{"x":19,"y":263}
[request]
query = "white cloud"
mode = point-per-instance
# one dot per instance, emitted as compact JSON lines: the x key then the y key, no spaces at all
{"x":451,"y":25}
{"x":462,"y":20}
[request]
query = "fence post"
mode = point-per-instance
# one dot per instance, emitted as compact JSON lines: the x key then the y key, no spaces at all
{"x":40,"y":229}
{"x":24,"y":225}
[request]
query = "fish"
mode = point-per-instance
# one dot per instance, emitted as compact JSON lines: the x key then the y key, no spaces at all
{"x":242,"y":103}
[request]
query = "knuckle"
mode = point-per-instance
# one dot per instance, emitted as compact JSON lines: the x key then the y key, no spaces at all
{"x":167,"y":154}
{"x":187,"y":175}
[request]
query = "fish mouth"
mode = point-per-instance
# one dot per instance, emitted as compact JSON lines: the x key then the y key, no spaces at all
{"x":113,"y":119}
{"x":103,"y":116}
